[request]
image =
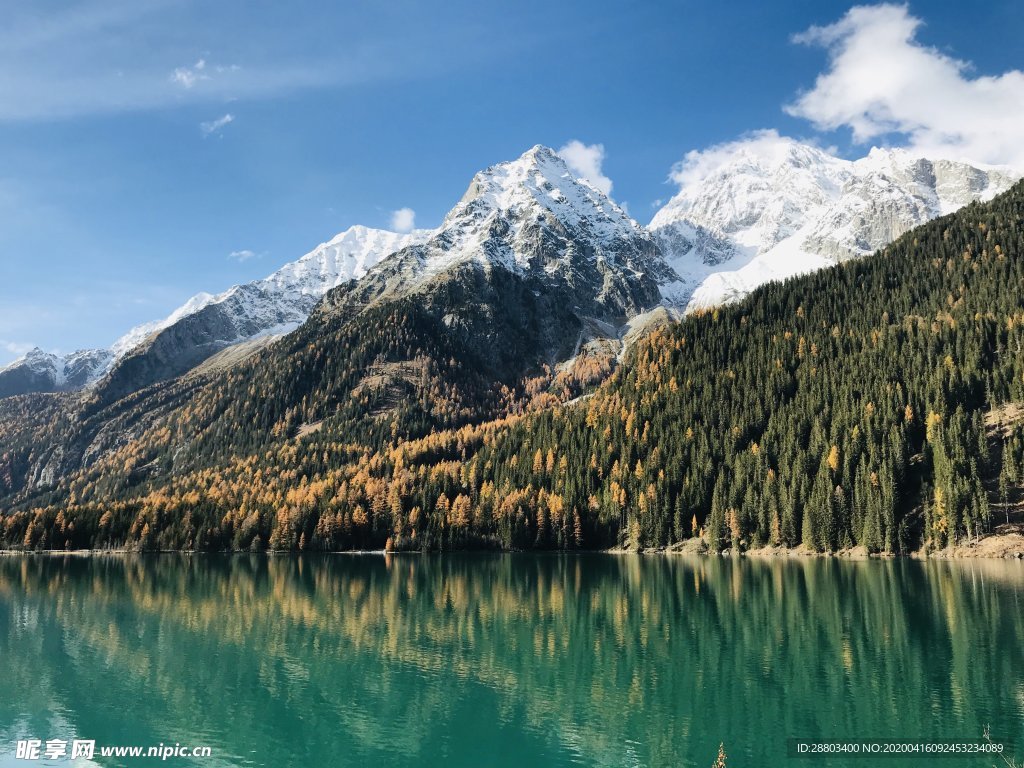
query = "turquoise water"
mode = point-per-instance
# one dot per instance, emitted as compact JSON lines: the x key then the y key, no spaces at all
{"x":495,"y":660}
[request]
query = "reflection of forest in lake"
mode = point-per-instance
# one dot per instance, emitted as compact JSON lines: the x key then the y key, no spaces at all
{"x":506,"y":659}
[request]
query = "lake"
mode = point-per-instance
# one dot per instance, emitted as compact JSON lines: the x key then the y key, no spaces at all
{"x":506,"y":660}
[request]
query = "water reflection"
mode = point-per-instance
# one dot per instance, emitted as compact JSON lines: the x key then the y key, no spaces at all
{"x":506,"y":659}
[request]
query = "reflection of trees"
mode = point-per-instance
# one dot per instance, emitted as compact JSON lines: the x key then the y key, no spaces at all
{"x":589,"y":652}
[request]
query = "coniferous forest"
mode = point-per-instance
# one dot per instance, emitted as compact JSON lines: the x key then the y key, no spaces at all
{"x":870,"y":405}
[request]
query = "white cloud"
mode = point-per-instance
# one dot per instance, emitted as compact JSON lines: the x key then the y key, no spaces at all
{"x":881,"y":80}
{"x":764,"y":146}
{"x":214,"y":126}
{"x":585,"y":160}
{"x":16,"y":348}
{"x":403,"y":220}
{"x":243,"y":255}
{"x":187,"y":77}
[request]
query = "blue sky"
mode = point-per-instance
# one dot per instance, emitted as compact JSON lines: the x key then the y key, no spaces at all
{"x":144,"y":143}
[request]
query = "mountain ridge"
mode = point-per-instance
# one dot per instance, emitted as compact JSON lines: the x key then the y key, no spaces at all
{"x":773,"y":208}
{"x":770,"y":209}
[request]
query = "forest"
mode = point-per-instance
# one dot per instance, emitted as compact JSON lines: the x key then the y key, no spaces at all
{"x":869,"y":405}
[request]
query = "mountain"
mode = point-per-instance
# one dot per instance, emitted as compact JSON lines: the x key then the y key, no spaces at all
{"x":40,"y":371}
{"x":533,"y":269}
{"x":581,"y":266}
{"x":872,"y":404}
{"x":285,"y":298}
{"x":279,"y":303}
{"x":767,"y":209}
{"x":208,"y":323}
{"x":771,"y":208}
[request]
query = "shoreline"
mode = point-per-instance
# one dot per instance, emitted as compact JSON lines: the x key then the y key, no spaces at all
{"x":1004,"y":545}
{"x":1007,"y":545}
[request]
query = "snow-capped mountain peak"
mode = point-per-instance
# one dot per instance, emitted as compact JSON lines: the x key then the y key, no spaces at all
{"x":528,"y":213}
{"x":768,"y":208}
{"x":758,"y":195}
{"x":284,"y":298}
{"x":541,"y":179}
{"x":40,"y":371}
{"x":533,"y":218}
{"x":40,"y":362}
{"x":529,"y":252}
{"x":209,"y":322}
{"x":348,"y":256}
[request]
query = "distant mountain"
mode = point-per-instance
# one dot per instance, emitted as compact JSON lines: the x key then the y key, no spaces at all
{"x":206,"y":323}
{"x":40,"y":371}
{"x":774,"y":208}
{"x":283,"y":300}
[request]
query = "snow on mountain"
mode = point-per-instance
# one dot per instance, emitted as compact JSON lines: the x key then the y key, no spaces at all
{"x":283,"y":300}
{"x":43,"y":364}
{"x":532,"y":216}
{"x":769,"y":208}
{"x":537,"y":189}
{"x":39,"y":371}
{"x":532,"y":266}
{"x":207,"y":323}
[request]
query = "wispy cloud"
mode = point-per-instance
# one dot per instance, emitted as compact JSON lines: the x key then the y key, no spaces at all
{"x":187,"y":77}
{"x":15,"y":348}
{"x":403,"y":220}
{"x":215,"y":126}
{"x":243,"y":255}
{"x":104,"y":56}
{"x":91,"y":57}
{"x":881,"y":81}
{"x":586,"y":161}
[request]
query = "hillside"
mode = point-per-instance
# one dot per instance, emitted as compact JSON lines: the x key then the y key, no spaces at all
{"x":837,"y":409}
